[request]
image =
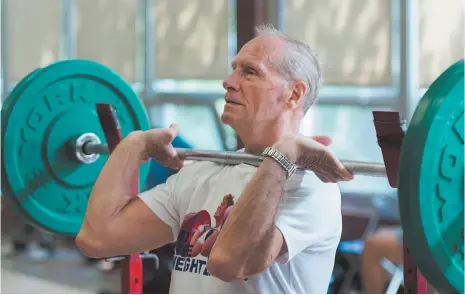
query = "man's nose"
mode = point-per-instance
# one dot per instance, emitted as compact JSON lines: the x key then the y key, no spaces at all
{"x":230,"y":83}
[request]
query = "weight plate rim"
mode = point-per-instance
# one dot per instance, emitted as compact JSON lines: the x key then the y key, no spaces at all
{"x":8,"y":104}
{"x":7,"y":107}
{"x":412,"y":153}
{"x":118,"y":84}
{"x":6,"y":187}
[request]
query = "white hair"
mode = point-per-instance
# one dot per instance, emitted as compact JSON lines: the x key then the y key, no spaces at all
{"x":299,"y":63}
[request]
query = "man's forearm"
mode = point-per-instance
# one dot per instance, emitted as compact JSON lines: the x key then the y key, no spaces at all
{"x":252,"y":217}
{"x":114,"y":186}
{"x":270,"y":248}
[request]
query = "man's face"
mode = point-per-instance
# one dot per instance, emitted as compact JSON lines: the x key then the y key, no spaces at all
{"x":254,"y":90}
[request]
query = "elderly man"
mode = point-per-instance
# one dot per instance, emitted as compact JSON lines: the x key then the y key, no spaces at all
{"x":280,"y":230}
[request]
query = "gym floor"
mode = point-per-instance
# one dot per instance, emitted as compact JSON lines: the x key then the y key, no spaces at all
{"x":66,"y":272}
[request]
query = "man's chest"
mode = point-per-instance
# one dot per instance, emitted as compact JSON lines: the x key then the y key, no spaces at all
{"x":203,"y":210}
{"x":216,"y":191}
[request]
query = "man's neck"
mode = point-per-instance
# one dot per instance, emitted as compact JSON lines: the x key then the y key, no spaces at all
{"x":257,"y":138}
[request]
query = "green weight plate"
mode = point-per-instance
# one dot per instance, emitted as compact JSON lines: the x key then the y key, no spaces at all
{"x":7,"y":106}
{"x":40,"y":172}
{"x":431,"y":182}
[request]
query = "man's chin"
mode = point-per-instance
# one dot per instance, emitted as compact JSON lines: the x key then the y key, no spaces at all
{"x":228,"y":119}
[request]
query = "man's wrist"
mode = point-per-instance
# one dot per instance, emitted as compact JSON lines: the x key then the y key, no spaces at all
{"x":288,"y":149}
{"x":136,"y":140}
{"x":281,"y":159}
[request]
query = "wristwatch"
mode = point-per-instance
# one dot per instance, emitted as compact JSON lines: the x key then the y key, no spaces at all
{"x":288,"y":166}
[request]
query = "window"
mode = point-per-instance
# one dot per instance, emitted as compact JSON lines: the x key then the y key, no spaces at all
{"x":351,"y":38}
{"x":191,"y":39}
{"x":107,"y":33}
{"x":441,"y":37}
{"x":33,"y":36}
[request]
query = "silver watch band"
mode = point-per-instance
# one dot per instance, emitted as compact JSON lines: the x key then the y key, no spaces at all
{"x":288,"y":166}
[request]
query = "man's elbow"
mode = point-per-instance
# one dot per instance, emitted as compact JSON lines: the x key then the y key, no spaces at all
{"x":230,"y":269}
{"x":89,"y":244}
{"x":224,"y":269}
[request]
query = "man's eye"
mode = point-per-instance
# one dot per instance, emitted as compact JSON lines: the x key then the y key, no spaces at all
{"x":249,"y":71}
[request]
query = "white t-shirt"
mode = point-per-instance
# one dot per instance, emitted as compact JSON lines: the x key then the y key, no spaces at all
{"x":309,"y":218}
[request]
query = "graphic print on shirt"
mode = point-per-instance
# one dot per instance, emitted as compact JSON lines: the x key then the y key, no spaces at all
{"x":197,"y":237}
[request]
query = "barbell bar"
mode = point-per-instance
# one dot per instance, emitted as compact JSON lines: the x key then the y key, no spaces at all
{"x":91,"y":148}
{"x":56,"y":104}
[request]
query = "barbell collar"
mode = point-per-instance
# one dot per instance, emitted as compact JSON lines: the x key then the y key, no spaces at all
{"x":81,"y":151}
{"x":236,"y":158}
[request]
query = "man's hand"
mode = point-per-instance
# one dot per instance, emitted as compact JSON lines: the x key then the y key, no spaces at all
{"x":312,"y":153}
{"x":158,"y":146}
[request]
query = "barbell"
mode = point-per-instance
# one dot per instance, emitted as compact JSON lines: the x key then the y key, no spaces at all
{"x":88,"y":147}
{"x":53,"y":150}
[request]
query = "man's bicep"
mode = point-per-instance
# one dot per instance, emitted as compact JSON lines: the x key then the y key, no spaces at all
{"x":147,"y":222}
{"x":137,"y":228}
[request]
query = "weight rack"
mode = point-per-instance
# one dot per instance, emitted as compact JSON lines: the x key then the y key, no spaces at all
{"x":390,"y":133}
{"x":132,"y":268}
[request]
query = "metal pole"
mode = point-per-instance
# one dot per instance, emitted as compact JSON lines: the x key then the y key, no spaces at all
{"x":67,"y":42}
{"x":68,"y":22}
{"x":396,"y":49}
{"x":409,"y":58}
{"x":414,"y":282}
{"x":4,"y":49}
{"x":149,"y":46}
{"x":95,"y":148}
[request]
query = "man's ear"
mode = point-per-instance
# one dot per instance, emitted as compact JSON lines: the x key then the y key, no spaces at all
{"x":298,"y":90}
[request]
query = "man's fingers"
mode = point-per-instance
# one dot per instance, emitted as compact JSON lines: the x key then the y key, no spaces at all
{"x":331,"y":176}
{"x":174,"y":128}
{"x":346,"y":175}
{"x":322,"y":177}
{"x":334,"y":169}
{"x":173,"y":158}
{"x":341,"y":172}
{"x":145,"y":160}
{"x":178,"y":164}
{"x":323,"y":139}
{"x":330,"y":169}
